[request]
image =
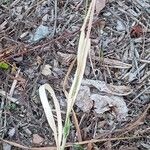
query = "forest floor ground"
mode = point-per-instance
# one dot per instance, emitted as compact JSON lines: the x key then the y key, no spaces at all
{"x":39,"y":42}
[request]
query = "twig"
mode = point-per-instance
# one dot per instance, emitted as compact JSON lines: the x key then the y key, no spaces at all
{"x":71,"y":144}
{"x":14,"y":84}
{"x":55,"y":21}
{"x":14,"y":100}
{"x":77,"y":126}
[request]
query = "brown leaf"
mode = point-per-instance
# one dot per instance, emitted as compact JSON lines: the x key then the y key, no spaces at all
{"x":65,"y":58}
{"x":47,"y":70}
{"x":116,"y":104}
{"x":83,"y":100}
{"x":136,"y":31}
{"x":89,"y":146}
{"x":37,"y":139}
{"x":108,"y":88}
{"x":100,"y":4}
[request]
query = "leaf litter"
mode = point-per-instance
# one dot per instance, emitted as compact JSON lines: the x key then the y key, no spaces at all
{"x":107,"y":98}
{"x":120,"y":41}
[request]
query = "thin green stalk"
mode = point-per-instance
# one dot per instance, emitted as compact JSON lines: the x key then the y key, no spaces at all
{"x":66,"y":132}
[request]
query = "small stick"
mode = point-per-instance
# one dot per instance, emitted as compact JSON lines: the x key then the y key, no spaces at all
{"x":14,"y":84}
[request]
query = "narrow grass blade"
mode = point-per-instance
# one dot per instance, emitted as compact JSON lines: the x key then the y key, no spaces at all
{"x":48,"y":112}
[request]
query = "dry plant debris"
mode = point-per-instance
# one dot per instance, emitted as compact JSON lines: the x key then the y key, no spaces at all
{"x":47,"y":70}
{"x":107,"y":98}
{"x":37,"y":140}
{"x":34,"y":34}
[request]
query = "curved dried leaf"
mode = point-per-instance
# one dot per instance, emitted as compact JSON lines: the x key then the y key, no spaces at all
{"x":48,"y":111}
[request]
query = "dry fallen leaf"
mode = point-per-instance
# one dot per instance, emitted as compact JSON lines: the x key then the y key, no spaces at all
{"x":120,"y":90}
{"x":6,"y":146}
{"x":90,"y":146}
{"x":46,"y":70}
{"x":83,"y":100}
{"x":101,"y":86}
{"x":120,"y":26}
{"x":65,"y":58}
{"x":57,"y":130}
{"x":11,"y":132}
{"x":108,"y":98}
{"x":136,"y":31}
{"x":105,"y":103}
{"x":37,"y":139}
{"x":112,"y":62}
{"x":100,"y":4}
{"x":116,"y":63}
{"x":111,"y":101}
